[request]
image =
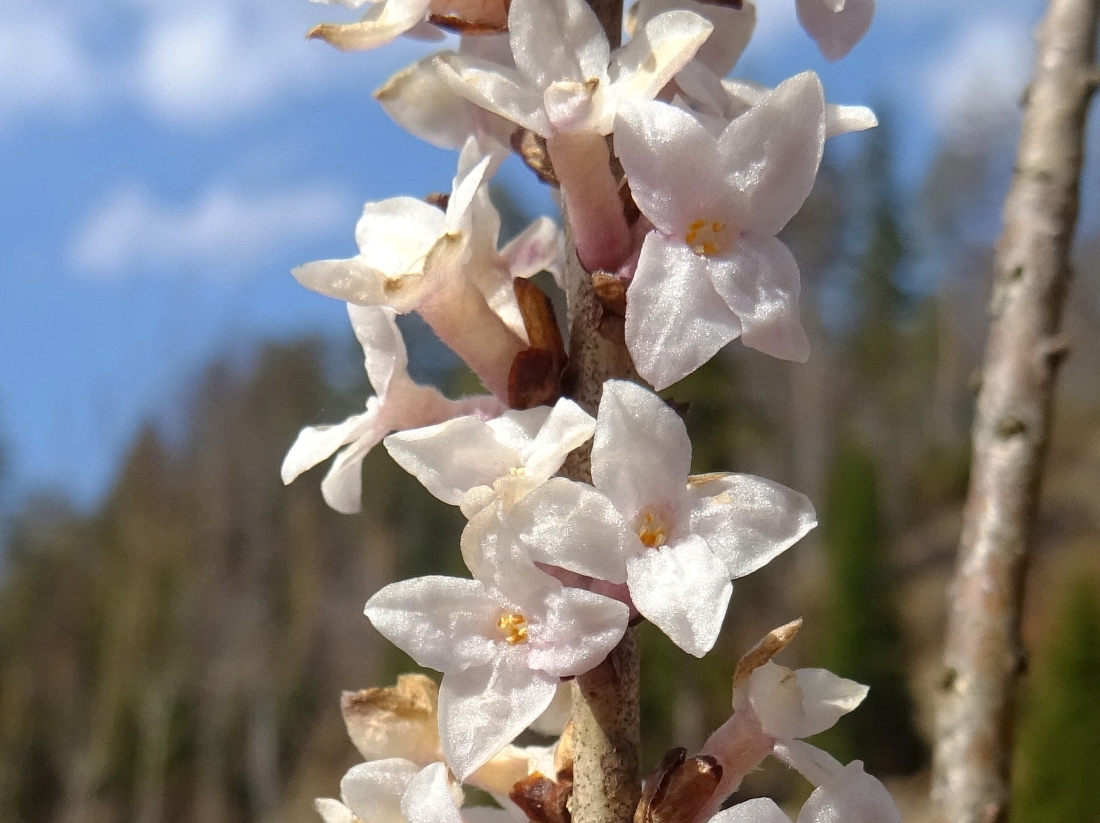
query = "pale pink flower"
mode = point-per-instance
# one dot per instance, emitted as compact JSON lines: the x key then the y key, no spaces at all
{"x":836,"y":25}
{"x":388,"y":19}
{"x":503,"y":640}
{"x":470,"y":462}
{"x":676,"y":541}
{"x":733,"y":28}
{"x":399,"y":403}
{"x":566,"y":86}
{"x":712,"y":268}
{"x":446,"y":267}
{"x":850,"y":795}
{"x":772,"y":711}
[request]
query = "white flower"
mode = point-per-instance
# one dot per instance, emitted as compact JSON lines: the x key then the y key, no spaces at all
{"x":387,"y":19}
{"x":566,"y":86}
{"x":836,"y":25}
{"x":733,"y":28}
{"x":676,"y":541}
{"x":773,"y":709}
{"x":849,"y":796}
{"x":399,"y":403}
{"x":796,"y":704}
{"x":446,"y":267}
{"x":403,"y":721}
{"x":394,"y":791}
{"x":469,"y":462}
{"x":502,"y":640}
{"x":565,"y":78}
{"x":420,"y":101}
{"x":712,"y":268}
{"x":716,"y":101}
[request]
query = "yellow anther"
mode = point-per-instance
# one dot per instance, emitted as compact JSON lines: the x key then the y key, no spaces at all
{"x":705,"y":237}
{"x":513,"y":626}
{"x":518,"y":471}
{"x":651,"y":530}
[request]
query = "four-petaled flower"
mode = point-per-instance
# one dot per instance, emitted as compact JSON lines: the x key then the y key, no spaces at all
{"x":712,"y":268}
{"x":469,"y":462}
{"x":675,"y":540}
{"x":398,"y":404}
{"x":503,"y":640}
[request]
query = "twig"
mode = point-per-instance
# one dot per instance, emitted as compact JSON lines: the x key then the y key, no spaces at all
{"x":983,"y":654}
{"x":606,"y":726}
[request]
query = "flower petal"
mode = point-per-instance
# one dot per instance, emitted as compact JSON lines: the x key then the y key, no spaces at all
{"x":641,"y":453}
{"x":567,"y":427}
{"x":826,"y":698}
{"x":666,"y":43}
{"x":579,"y":629}
{"x":440,"y":622}
{"x":573,"y":526}
{"x":342,"y":487}
{"x":484,"y":708}
{"x":333,"y":811}
{"x":537,"y":248}
{"x":495,"y":88}
{"x":373,"y":790}
{"x":317,"y":443}
{"x":760,"y":282}
{"x":757,"y":810}
{"x":671,"y":161}
{"x":453,"y":457}
{"x":350,"y":280}
{"x":852,"y":796}
{"x":397,"y":234}
{"x":815,"y":764}
{"x":384,"y":352}
{"x":494,"y":555}
{"x":747,"y":520}
{"x":429,"y":797}
{"x":836,"y":30}
{"x":555,"y":40}
{"x":772,"y":153}
{"x":675,"y":320}
{"x":683,"y":589}
{"x":419,"y":101}
{"x":383,"y":22}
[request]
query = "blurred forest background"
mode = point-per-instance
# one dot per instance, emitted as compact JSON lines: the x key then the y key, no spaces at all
{"x":177,"y":655}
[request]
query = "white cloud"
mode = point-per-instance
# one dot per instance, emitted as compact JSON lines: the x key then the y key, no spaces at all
{"x":222,"y":233}
{"x":42,"y":64}
{"x":197,"y":62}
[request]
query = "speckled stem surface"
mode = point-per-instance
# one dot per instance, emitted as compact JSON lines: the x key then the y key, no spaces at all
{"x":983,"y":657}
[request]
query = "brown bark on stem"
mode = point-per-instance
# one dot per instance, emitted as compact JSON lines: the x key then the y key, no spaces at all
{"x":606,"y":727}
{"x":983,"y":655}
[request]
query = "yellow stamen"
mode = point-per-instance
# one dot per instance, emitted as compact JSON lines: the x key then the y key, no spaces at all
{"x":652,"y":530}
{"x":513,"y":626}
{"x":703,"y":236}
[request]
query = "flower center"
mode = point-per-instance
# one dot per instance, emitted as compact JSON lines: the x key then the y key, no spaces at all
{"x":518,"y":471}
{"x":513,"y":626}
{"x":707,"y":237}
{"x":652,"y":529}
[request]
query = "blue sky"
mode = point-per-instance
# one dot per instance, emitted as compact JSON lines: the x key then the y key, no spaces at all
{"x":164,"y":164}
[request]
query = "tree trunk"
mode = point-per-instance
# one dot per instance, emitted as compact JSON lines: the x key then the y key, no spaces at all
{"x":983,"y":655}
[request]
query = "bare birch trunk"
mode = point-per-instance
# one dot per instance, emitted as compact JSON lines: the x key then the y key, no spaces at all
{"x":983,"y":655}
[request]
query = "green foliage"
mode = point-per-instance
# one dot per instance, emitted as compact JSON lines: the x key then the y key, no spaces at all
{"x":863,"y":640}
{"x":1058,"y":750}
{"x":178,"y":655}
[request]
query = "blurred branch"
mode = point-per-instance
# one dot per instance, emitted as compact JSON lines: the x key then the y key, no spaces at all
{"x":983,"y":655}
